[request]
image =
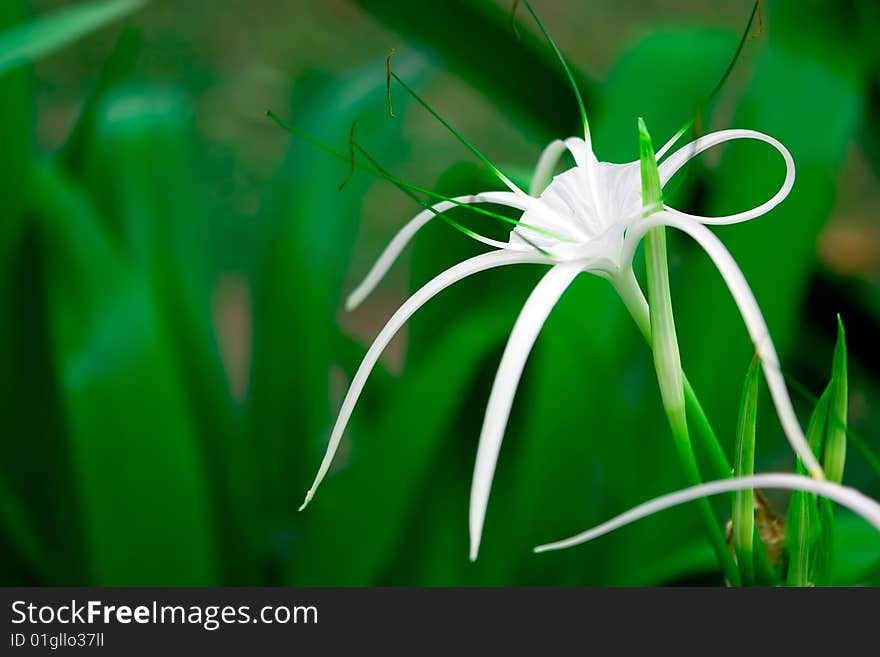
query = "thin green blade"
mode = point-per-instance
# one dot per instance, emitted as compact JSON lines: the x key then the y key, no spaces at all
{"x":40,"y":36}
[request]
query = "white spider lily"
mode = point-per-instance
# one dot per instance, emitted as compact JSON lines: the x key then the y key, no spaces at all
{"x":588,"y":219}
{"x":851,"y":498}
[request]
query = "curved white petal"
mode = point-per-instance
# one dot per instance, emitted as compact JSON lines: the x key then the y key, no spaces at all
{"x":519,"y":345}
{"x":580,"y":151}
{"x":866,"y":507}
{"x":669,"y":144}
{"x":546,"y":166}
{"x":452,"y":275}
{"x":675,"y":161}
{"x":405,"y":234}
{"x":754,"y":321}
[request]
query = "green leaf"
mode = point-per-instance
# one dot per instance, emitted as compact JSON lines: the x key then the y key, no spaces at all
{"x":41,"y":36}
{"x":375,"y":496}
{"x":138,"y":470}
{"x":35,"y":526}
{"x":138,"y":161}
{"x":803,"y":525}
{"x":635,"y":87}
{"x":16,"y":135}
{"x":835,"y":436}
{"x":857,"y":551}
{"x":437,"y":247}
{"x":476,"y":41}
{"x":809,"y":98}
{"x":115,"y":71}
{"x":22,"y":535}
{"x":743,"y":514}
{"x":835,"y":453}
{"x":308,"y":227}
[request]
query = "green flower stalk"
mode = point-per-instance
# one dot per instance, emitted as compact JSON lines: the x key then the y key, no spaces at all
{"x":667,"y":360}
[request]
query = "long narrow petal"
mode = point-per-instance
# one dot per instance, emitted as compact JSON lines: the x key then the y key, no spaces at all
{"x":754,"y":321}
{"x":672,"y":141}
{"x":579,"y":151}
{"x":405,"y":234}
{"x":675,"y":161}
{"x":866,"y":507}
{"x":545,"y":167}
{"x":550,"y":158}
{"x":452,"y":275}
{"x":519,"y":345}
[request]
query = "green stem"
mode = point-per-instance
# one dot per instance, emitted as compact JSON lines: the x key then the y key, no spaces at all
{"x":718,"y":462}
{"x":629,"y":291}
{"x":668,"y":365}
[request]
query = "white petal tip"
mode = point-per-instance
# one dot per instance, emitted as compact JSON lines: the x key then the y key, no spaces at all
{"x":351,"y":303}
{"x":306,"y":501}
{"x":475,"y":550}
{"x":817,"y":473}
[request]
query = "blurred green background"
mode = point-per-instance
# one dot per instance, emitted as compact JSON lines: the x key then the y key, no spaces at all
{"x":172,"y":269}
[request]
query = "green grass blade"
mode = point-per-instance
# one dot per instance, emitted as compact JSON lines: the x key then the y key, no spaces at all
{"x":835,"y":438}
{"x":36,"y":525}
{"x":834,"y":455}
{"x":138,"y":163}
{"x":41,"y":36}
{"x":803,"y":524}
{"x":138,"y":470}
{"x":743,"y":515}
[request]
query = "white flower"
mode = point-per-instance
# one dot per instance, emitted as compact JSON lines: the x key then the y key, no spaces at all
{"x":588,"y":219}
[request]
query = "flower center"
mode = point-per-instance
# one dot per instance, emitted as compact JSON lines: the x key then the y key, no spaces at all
{"x":591,"y":215}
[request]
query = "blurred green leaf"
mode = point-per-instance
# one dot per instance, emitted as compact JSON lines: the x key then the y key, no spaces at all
{"x":633,"y":88}
{"x":139,"y":473}
{"x":21,"y":534}
{"x":308,"y":227}
{"x":16,"y":134}
{"x":376,"y":495}
{"x":40,"y":36}
{"x":476,"y":41}
{"x":809,"y":98}
{"x":35,"y":451}
{"x":857,"y":550}
{"x":115,"y":71}
{"x":438,"y":246}
{"x":139,"y":167}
